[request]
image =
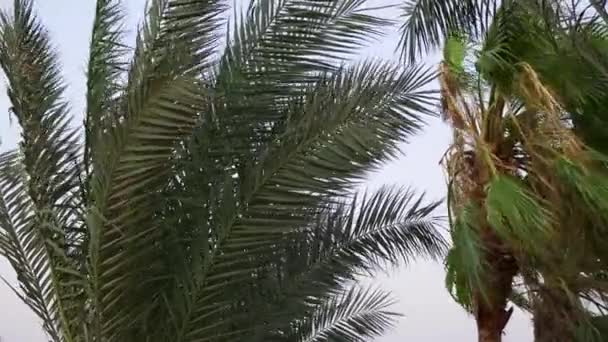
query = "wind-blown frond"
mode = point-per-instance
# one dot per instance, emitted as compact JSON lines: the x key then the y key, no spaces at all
{"x":106,"y":66}
{"x":163,"y":100}
{"x":273,"y":54}
{"x":299,"y":37}
{"x":590,"y":185}
{"x":19,"y":244}
{"x":355,"y":315}
{"x":387,"y":227}
{"x":465,"y":262}
{"x":516,"y":213}
{"x":429,"y":22}
{"x":336,"y":133}
{"x":354,"y":238}
{"x":49,"y":152}
{"x":209,"y":202}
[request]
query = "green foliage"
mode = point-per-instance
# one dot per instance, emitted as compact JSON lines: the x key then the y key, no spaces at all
{"x":354,"y":316}
{"x":595,"y":330}
{"x":591,"y":186}
{"x":455,"y":52}
{"x":517,"y":214}
{"x":465,"y":263}
{"x":428,"y":23}
{"x":347,"y":240}
{"x":211,"y":199}
{"x":48,"y":178}
{"x":526,"y":134}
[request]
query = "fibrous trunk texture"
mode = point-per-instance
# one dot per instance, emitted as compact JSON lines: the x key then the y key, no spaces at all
{"x":555,"y":318}
{"x":491,"y":313}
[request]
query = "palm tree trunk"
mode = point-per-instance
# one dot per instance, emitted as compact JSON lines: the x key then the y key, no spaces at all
{"x":491,"y":321}
{"x":555,"y":318}
{"x":491,"y":301}
{"x":491,"y":313}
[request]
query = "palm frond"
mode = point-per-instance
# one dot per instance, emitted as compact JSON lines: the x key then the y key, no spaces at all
{"x":20,"y":245}
{"x":518,"y":214}
{"x":595,"y":331}
{"x":342,"y":128}
{"x":297,"y":36}
{"x":35,"y":90}
{"x":349,"y":239}
{"x":590,"y":185}
{"x":49,"y":152}
{"x":429,"y":22}
{"x":162,"y":102}
{"x":387,"y":227}
{"x":355,"y":315}
{"x":273,"y":54}
{"x":105,"y":68}
{"x":465,"y":261}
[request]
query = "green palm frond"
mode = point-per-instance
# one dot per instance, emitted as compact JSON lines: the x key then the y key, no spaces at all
{"x":20,"y":244}
{"x":429,"y":22}
{"x":336,"y":133}
{"x":355,"y":315}
{"x":106,"y":65}
{"x":590,"y":185}
{"x":595,"y":330}
{"x":210,"y":195}
{"x":347,"y":240}
{"x":387,"y":227}
{"x":517,"y":213}
{"x":465,"y":262}
{"x":299,"y":36}
{"x":50,"y":173}
{"x":272,"y":55}
{"x":35,"y":90}
{"x":163,"y":101}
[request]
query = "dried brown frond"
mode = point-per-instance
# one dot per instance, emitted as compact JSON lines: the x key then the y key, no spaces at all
{"x":552,"y":130}
{"x":451,"y":110}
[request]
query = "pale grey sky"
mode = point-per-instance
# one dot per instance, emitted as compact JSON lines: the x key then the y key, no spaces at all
{"x":430,"y":314}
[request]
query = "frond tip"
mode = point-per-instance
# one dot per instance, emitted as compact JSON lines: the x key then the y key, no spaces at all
{"x":427,"y":23}
{"x":354,"y":315}
{"x":385,"y":227}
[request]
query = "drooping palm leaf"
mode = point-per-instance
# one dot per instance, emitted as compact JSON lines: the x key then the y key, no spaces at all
{"x":514,"y":212}
{"x":465,"y":266}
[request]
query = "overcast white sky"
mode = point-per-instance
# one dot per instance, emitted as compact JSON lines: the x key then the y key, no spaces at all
{"x":430,"y":313}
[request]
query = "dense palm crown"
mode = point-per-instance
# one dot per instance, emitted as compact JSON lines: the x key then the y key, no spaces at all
{"x":521,"y":85}
{"x":205,"y":201}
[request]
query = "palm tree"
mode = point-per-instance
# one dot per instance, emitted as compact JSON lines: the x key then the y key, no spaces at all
{"x":580,"y":52}
{"x":526,"y":195}
{"x":207,"y":199}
